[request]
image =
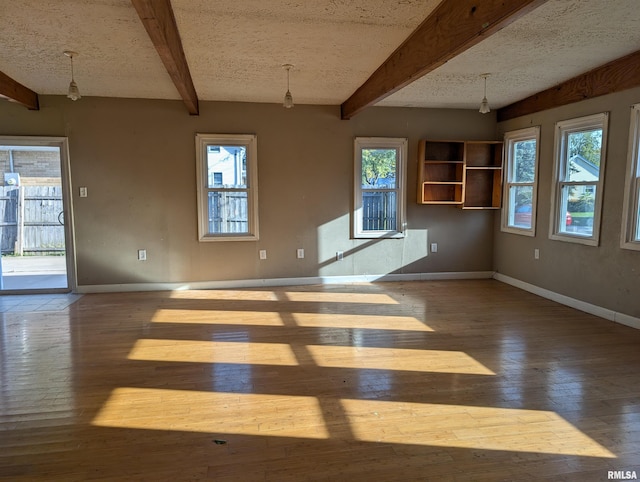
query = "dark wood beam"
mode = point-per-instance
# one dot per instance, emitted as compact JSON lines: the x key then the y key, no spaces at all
{"x":620,"y":74}
{"x":17,"y":92}
{"x":160,"y":23}
{"x":453,"y":27}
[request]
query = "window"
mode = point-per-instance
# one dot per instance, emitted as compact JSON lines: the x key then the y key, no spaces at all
{"x":227,"y":187}
{"x":380,"y":198}
{"x":521,"y":181}
{"x":580,"y":146}
{"x":631,"y":211}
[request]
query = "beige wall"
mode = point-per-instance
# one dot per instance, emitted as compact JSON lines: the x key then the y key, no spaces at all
{"x":606,"y":275}
{"x":137,"y":159}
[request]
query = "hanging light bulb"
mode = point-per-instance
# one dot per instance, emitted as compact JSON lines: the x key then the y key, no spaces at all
{"x":484,"y":105}
{"x":288,"y":98}
{"x":74,"y":92}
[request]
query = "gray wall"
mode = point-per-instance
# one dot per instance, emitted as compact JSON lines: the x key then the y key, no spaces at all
{"x":605,"y":275}
{"x":137,"y":159}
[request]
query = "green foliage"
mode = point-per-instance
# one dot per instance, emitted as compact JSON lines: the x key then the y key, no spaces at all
{"x":584,"y":203}
{"x":525,"y":158}
{"x":377,"y":164}
{"x":524,"y":154}
{"x":587,"y":144}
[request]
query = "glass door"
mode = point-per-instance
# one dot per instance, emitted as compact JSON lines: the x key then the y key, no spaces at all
{"x":33,"y":217}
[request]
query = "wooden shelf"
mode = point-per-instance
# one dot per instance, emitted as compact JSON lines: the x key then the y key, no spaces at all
{"x":441,"y":172}
{"x":483,"y":175}
{"x":441,"y":193}
{"x":483,"y":154}
{"x":448,"y":151}
{"x":436,"y":171}
{"x":463,"y":173}
{"x":483,"y":189}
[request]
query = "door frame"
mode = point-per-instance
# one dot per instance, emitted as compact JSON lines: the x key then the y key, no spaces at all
{"x":69,"y":230}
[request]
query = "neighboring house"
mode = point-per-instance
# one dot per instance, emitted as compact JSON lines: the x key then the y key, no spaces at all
{"x":583,"y":170}
{"x":227,"y":166}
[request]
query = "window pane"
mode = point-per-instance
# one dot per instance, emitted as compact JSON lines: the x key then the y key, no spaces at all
{"x":637,"y":235}
{"x":228,"y":212}
{"x":379,"y":168}
{"x":379,"y":211}
{"x":521,"y":198}
{"x":524,"y":161}
{"x":583,"y":156}
{"x":577,"y":206}
{"x":226,"y":166}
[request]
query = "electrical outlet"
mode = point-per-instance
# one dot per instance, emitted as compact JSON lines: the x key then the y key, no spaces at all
{"x":142,"y":255}
{"x":263,"y":254}
{"x":300,"y":253}
{"x":536,"y":253}
{"x":434,"y":247}
{"x":83,"y":192}
{"x":339,"y":255}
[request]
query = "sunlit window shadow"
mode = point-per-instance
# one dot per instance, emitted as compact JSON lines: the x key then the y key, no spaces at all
{"x":313,"y":344}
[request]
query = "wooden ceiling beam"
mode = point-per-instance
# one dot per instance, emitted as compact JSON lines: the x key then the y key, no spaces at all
{"x":15,"y":91}
{"x":615,"y":76}
{"x":159,"y":21}
{"x":453,"y":27}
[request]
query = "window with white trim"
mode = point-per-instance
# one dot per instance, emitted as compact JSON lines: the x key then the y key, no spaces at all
{"x":631,"y":210}
{"x":521,"y":181}
{"x":380,"y":199}
{"x":580,"y":148}
{"x":227,"y":176}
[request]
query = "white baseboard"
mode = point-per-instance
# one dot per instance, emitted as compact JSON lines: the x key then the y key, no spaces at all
{"x":256,"y":283}
{"x":571,"y":302}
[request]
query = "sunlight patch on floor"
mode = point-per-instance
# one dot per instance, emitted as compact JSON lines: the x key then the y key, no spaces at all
{"x":361,"y":358}
{"x":453,"y":426}
{"x":218,"y":317}
{"x":295,"y":296}
{"x":366,"y":322}
{"x":192,"y":351}
{"x":213,"y":295}
{"x":213,"y":412}
{"x":274,"y":318}
{"x":334,"y":297}
{"x":469,"y":427}
{"x":397,"y":359}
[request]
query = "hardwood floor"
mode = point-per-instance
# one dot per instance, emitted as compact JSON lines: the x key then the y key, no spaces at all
{"x":444,"y":381}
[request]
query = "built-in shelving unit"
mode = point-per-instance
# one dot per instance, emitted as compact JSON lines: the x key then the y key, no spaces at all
{"x":483,"y":175}
{"x":463,"y":173}
{"x":440,"y":172}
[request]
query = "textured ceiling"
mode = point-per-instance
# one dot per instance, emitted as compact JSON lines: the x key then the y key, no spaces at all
{"x":557,"y":41}
{"x":235,"y":49}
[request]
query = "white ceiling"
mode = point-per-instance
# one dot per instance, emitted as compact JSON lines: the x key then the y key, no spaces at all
{"x":235,"y":49}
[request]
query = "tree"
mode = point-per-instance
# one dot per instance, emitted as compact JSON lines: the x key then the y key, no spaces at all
{"x":587,"y":144}
{"x":525,"y":156}
{"x":378,"y":164}
{"x":525,"y":165}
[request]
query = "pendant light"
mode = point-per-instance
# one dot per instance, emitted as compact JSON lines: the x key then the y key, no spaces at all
{"x":288,"y":98}
{"x":74,"y":92}
{"x":484,"y":105}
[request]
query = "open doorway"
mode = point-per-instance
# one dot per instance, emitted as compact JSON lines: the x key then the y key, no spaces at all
{"x":35,"y":229}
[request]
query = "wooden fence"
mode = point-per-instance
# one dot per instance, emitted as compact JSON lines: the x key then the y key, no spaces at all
{"x":228,"y":212}
{"x":31,"y":220}
{"x":379,"y":211}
